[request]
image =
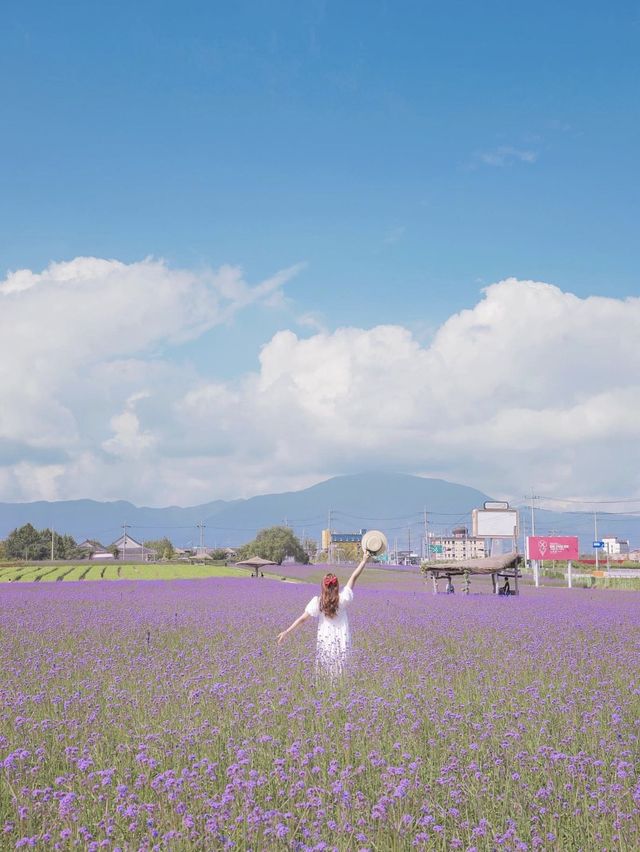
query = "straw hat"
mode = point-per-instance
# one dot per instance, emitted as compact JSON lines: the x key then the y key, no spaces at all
{"x":375,"y":542}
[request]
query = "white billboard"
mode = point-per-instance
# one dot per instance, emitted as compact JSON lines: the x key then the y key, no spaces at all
{"x":495,"y":523}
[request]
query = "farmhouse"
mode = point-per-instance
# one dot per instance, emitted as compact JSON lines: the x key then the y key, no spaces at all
{"x":92,"y":549}
{"x":129,"y":550}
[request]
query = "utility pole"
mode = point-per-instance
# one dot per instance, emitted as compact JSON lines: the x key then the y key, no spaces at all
{"x":125,"y":527}
{"x":409,"y":531}
{"x":426,"y":536}
{"x":595,"y":535}
{"x":330,"y":544}
{"x":536,"y":570}
{"x":533,"y":517}
{"x":553,"y":561}
{"x":201,"y":526}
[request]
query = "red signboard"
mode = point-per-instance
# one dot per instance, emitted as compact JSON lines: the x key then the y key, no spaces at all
{"x":553,"y":547}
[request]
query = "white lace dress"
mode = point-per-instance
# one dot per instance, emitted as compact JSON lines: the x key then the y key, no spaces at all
{"x":334,"y":636}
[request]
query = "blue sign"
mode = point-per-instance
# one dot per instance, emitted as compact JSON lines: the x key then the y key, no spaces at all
{"x":598,"y":544}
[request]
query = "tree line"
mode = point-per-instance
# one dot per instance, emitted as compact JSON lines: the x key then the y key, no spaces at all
{"x":274,"y":543}
{"x":28,"y":543}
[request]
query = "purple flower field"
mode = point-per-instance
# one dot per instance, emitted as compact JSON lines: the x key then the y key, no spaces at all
{"x":162,"y":715}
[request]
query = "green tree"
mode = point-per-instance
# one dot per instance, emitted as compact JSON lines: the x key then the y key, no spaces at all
{"x":64,"y":546}
{"x":3,"y":551}
{"x":347,"y":551}
{"x":276,"y":544}
{"x":24,"y":543}
{"x":219,"y":554}
{"x":163,"y":547}
{"x":28,"y":543}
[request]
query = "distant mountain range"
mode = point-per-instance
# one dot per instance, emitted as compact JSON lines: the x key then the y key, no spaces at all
{"x":394,"y":503}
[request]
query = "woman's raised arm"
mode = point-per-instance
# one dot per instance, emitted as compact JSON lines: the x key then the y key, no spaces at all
{"x":352,"y":579}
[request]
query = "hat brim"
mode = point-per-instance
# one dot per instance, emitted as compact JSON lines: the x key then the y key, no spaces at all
{"x":374,"y":542}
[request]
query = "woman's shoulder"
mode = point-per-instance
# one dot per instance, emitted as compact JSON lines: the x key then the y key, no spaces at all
{"x":346,"y":595}
{"x":313,"y":607}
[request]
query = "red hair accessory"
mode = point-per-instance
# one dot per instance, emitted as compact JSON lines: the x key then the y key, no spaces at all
{"x":328,"y":582}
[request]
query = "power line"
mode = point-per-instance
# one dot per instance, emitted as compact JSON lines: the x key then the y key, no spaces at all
{"x":584,"y":512}
{"x":372,"y":518}
{"x":403,"y":517}
{"x":590,"y":502}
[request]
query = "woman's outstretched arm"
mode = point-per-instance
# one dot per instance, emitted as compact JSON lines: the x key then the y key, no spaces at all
{"x":352,"y":579}
{"x":299,"y":620}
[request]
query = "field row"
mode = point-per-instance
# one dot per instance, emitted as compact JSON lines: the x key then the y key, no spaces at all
{"x":46,"y":572}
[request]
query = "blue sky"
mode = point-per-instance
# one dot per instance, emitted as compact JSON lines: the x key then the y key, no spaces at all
{"x":408,"y":154}
{"x":349,"y":136}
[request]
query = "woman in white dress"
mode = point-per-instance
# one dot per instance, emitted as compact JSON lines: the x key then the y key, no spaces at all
{"x":330,"y":608}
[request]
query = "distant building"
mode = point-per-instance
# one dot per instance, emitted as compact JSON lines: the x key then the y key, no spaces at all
{"x":330,"y":537}
{"x":341,"y":547}
{"x":406,"y":557}
{"x":613,"y":546}
{"x":130,"y":550}
{"x":458,"y":545}
{"x":94,"y":550}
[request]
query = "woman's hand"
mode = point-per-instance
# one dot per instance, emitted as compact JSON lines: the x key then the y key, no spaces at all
{"x":293,"y":626}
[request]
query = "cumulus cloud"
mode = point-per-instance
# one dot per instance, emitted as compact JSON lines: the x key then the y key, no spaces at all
{"x":128,"y":439}
{"x":532,"y":385}
{"x":81,"y":340}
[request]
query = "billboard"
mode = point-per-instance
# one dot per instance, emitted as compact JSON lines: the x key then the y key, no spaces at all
{"x":553,"y":547}
{"x":495,"y":523}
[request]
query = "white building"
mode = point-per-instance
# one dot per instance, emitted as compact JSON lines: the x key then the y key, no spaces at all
{"x":459,"y":545}
{"x":613,"y":546}
{"x":94,"y":550}
{"x":130,"y":550}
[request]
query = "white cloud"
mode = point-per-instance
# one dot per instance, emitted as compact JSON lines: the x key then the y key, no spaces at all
{"x":394,"y":235}
{"x":81,"y":337}
{"x":531,"y":386}
{"x":506,"y":154}
{"x":311,"y":320}
{"x":129,"y":440}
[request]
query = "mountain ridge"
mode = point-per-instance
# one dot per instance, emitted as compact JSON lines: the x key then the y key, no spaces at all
{"x":353,"y":500}
{"x":394,"y":502}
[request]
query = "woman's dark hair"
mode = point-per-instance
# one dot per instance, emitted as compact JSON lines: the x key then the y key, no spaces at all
{"x":329,"y":595}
